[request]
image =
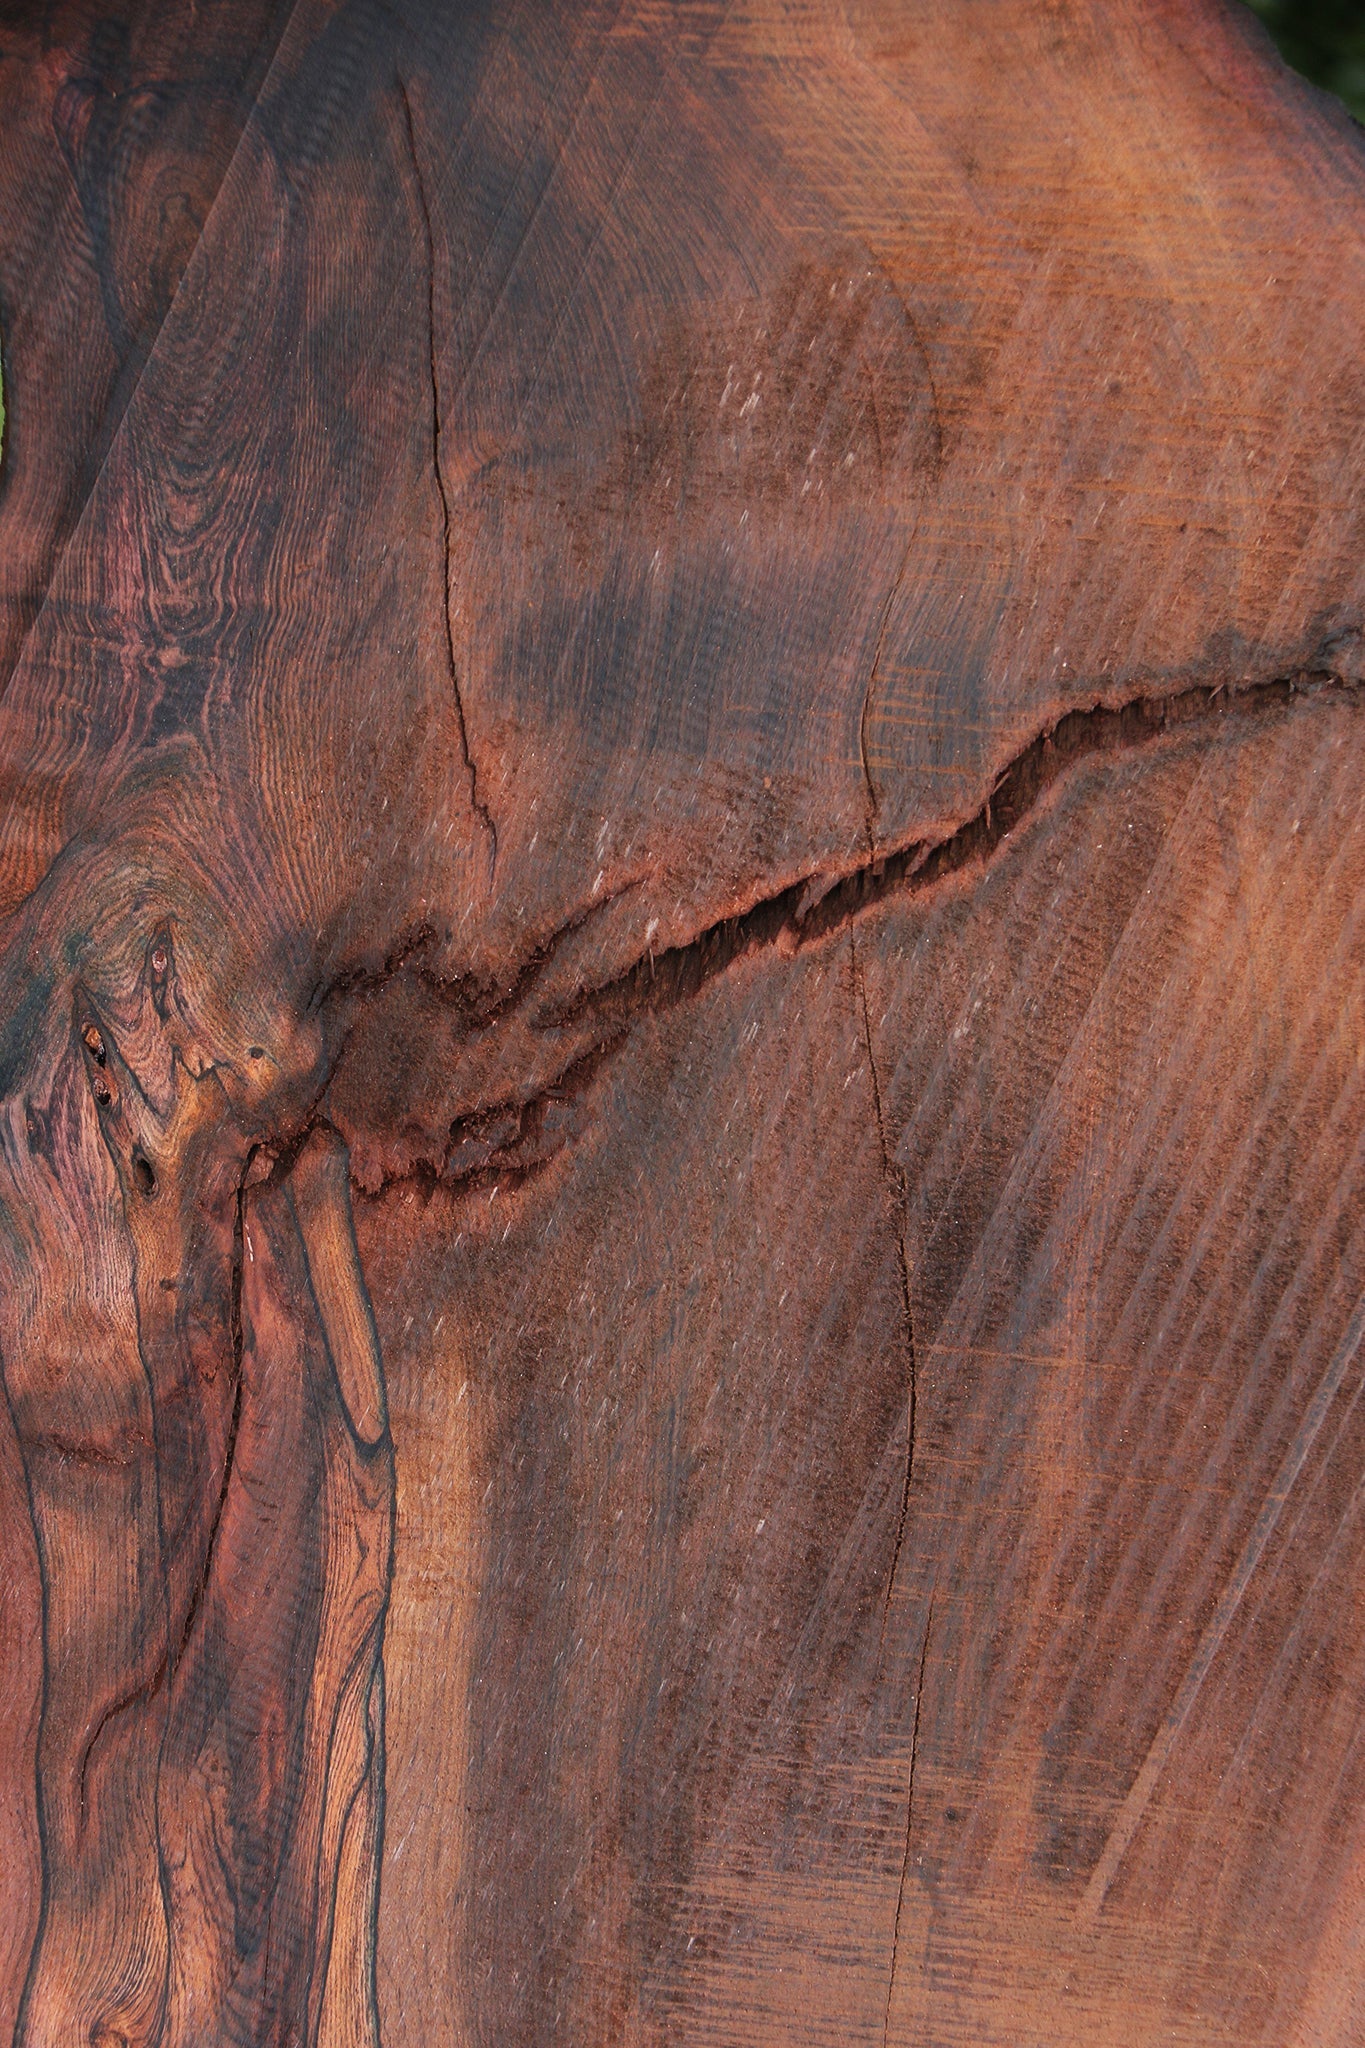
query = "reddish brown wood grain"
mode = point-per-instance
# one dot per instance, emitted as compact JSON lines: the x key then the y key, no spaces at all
{"x":680,"y":1182}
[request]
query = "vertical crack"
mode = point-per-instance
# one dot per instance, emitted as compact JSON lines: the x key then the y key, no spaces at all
{"x":895,"y":1186}
{"x":909,"y":1820}
{"x":477,"y":800}
{"x":871,"y":799}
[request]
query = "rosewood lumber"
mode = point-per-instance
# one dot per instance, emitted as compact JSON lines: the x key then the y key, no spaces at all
{"x":680,"y":1002}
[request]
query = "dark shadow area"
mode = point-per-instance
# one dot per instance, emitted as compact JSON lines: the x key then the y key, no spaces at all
{"x":1325,"y":40}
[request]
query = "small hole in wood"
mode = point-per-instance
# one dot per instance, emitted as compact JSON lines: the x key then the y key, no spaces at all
{"x":255,"y":1052}
{"x":143,"y":1175}
{"x":158,"y":971}
{"x":94,"y":1044}
{"x":104,"y":1094}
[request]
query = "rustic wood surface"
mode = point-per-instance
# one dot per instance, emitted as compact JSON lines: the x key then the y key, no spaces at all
{"x":682,"y":990}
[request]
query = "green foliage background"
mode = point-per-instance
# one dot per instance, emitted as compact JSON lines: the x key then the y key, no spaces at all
{"x":1325,"y":40}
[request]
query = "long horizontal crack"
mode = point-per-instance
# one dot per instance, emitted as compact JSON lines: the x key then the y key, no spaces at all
{"x":808,"y":910}
{"x":817,"y":907}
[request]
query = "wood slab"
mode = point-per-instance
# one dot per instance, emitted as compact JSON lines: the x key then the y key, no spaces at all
{"x":682,"y":1161}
